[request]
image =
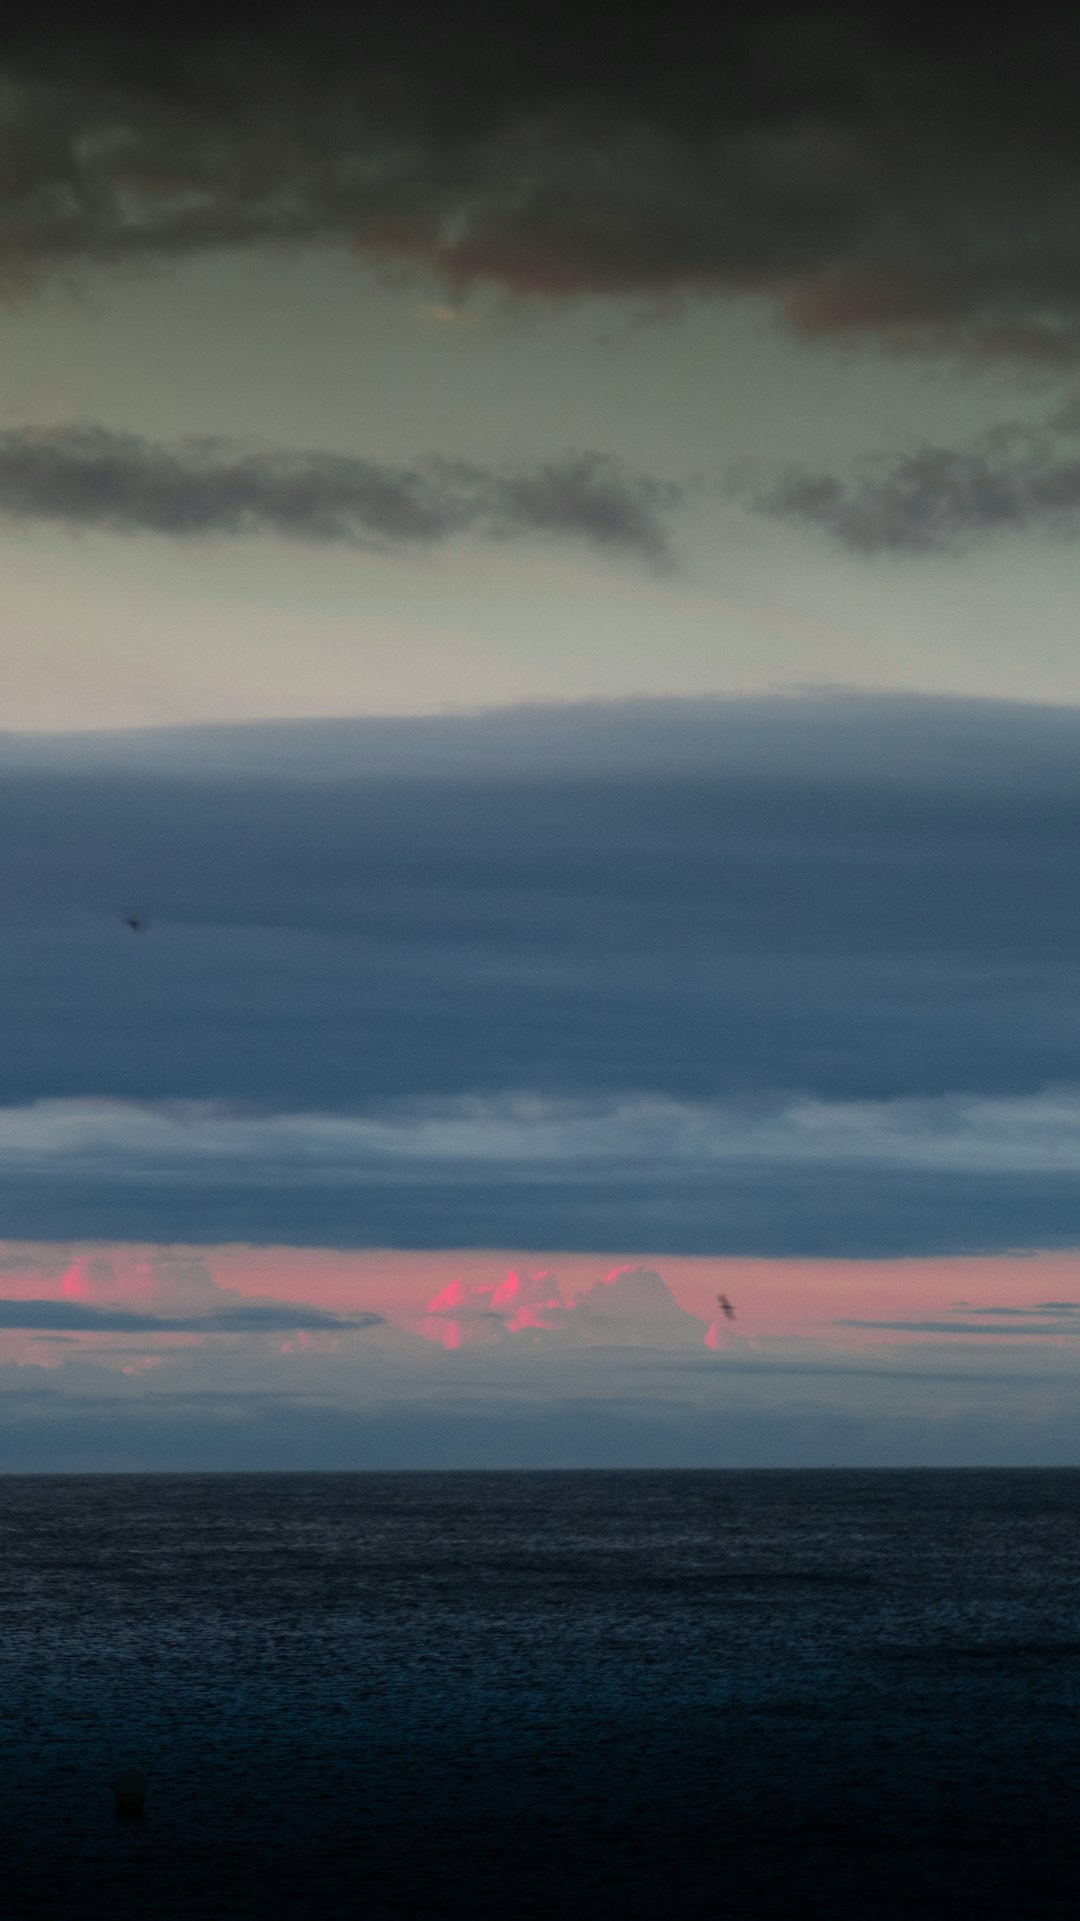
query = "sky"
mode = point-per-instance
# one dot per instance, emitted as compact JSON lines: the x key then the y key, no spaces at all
{"x":540,"y":574}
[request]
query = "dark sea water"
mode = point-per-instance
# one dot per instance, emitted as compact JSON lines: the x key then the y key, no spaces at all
{"x":594,"y":1694}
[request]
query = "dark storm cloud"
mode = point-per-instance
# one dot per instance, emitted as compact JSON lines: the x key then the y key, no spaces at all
{"x":936,"y":500}
{"x":252,"y":1318}
{"x":874,"y":169}
{"x":757,"y":976}
{"x":83,"y":476}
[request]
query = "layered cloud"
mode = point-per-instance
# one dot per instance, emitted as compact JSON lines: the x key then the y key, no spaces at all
{"x":542,"y":1140}
{"x":798,"y":976}
{"x":761,"y":1175}
{"x":866,"y":173}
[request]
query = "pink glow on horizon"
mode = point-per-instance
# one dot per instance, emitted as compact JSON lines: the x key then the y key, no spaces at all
{"x":454,"y":1297}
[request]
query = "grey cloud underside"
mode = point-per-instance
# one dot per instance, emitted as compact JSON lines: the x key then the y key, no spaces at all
{"x":741,"y":907}
{"x":937,"y":500}
{"x":88,"y":477}
{"x":864,"y":169}
{"x":252,"y":1318}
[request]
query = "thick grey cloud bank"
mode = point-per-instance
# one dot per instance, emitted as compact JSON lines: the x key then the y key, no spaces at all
{"x":761,"y":977}
{"x":88,"y":477}
{"x":869,"y":170}
{"x":761,"y":1175}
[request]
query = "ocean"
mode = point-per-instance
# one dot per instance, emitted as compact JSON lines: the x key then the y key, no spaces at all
{"x":566,"y":1694}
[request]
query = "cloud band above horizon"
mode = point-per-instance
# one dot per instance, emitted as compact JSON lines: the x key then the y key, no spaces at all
{"x":777,"y":977}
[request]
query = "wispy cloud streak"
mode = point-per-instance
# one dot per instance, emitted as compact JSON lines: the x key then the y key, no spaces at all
{"x":937,"y":500}
{"x":251,"y":1318}
{"x":1042,"y":1330}
{"x":89,"y":477}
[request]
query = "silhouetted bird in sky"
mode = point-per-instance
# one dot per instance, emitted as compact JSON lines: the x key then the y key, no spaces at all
{"x":133,"y":921}
{"x":725,"y":1307}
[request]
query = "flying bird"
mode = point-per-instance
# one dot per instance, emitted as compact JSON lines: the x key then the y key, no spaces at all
{"x":135,"y":922}
{"x":726,"y":1308}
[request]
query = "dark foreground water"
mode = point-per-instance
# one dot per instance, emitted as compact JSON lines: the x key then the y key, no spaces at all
{"x":597,"y":1695}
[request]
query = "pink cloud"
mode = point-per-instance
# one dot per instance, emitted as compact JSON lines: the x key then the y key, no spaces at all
{"x":465,"y":1312}
{"x":627,"y":1304}
{"x":530,"y":1300}
{"x":88,"y":1278}
{"x":458,"y":1298}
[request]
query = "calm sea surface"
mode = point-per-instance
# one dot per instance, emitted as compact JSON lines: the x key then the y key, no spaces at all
{"x":442,"y":1695}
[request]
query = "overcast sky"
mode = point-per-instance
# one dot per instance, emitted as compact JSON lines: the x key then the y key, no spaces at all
{"x":540,"y":573}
